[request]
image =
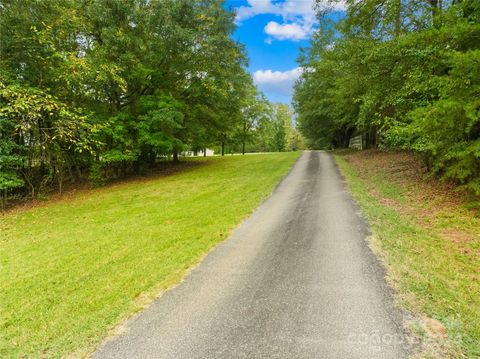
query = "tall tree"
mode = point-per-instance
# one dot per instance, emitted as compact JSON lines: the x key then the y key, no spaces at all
{"x":136,"y":80}
{"x":406,"y":83}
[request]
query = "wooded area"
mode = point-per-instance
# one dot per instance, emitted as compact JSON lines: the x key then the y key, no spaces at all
{"x":405,"y":74}
{"x":103,"y":89}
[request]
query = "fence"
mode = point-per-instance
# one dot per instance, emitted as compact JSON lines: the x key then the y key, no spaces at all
{"x":356,"y":142}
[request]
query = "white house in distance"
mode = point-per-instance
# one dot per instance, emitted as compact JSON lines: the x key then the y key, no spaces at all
{"x":208,"y":151}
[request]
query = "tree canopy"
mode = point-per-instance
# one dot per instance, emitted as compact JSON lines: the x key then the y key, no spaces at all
{"x":403,"y":73}
{"x":111,"y":87}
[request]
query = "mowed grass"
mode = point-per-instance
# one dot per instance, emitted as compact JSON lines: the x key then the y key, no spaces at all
{"x":430,"y":243}
{"x":71,"y":270}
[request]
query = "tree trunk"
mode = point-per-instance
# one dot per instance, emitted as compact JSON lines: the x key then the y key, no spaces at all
{"x":223,"y":148}
{"x":175,"y":156}
{"x":434,"y":7}
{"x":3,"y":200}
{"x":60,"y":184}
{"x":244,"y":136}
{"x":374,"y":137}
{"x":29,"y":182}
{"x":79,"y":172}
{"x":205,"y":152}
{"x":398,"y":18}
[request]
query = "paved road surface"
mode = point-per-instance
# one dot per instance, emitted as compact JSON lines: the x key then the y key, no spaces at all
{"x":295,"y":280}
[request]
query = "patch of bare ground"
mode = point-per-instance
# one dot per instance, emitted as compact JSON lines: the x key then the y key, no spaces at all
{"x":435,"y":342}
{"x":427,"y":199}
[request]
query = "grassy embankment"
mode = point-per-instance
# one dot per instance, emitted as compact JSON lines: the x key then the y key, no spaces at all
{"x":73,"y":269}
{"x":428,"y":235}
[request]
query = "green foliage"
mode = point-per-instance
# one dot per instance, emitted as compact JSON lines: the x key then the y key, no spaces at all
{"x":96,"y":175}
{"x":272,"y":129}
{"x":293,"y":140}
{"x":9,"y":160}
{"x":279,"y":140}
{"x":264,"y":126}
{"x":42,"y":131}
{"x":115,"y":86}
{"x":406,"y":74}
{"x":159,"y":126}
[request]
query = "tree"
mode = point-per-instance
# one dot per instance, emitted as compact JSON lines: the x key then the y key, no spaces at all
{"x":9,"y":164}
{"x":402,"y":73}
{"x":293,"y":139}
{"x":255,"y":108}
{"x":279,"y":141}
{"x":45,"y":131}
{"x":113,"y":87}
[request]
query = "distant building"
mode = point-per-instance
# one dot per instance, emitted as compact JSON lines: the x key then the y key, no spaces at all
{"x":199,"y":153}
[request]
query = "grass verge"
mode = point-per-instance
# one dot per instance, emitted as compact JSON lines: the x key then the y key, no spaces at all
{"x":73,"y":269}
{"x":429,"y":239}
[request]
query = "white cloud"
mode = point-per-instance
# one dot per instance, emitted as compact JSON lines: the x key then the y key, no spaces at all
{"x":277,"y":82}
{"x":298,"y":16}
{"x":291,"y":31}
{"x":256,"y":7}
{"x":288,"y":9}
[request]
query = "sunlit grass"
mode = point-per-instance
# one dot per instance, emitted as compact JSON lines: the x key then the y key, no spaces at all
{"x":430,"y":247}
{"x":71,"y":270}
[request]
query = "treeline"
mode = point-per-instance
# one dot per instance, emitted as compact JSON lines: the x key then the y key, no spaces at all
{"x":403,"y":73}
{"x":266,"y":127}
{"x":107,"y":88}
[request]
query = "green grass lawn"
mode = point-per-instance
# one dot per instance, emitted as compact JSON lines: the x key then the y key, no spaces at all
{"x":73,"y":269}
{"x":430,"y":243}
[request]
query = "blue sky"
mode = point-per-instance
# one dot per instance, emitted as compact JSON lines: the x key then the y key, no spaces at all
{"x":273,"y":32}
